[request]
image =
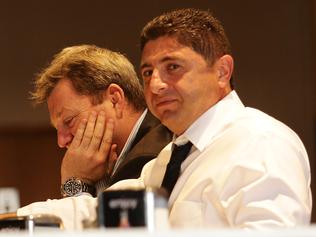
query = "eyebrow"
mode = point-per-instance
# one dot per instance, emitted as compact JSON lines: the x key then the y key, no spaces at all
{"x":143,"y":65}
{"x":59,"y":113}
{"x":164,"y":59}
{"x":58,"y":116}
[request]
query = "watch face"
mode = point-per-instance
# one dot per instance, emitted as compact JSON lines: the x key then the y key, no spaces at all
{"x":72,"y":187}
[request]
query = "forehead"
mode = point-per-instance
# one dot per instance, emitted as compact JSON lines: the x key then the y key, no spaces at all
{"x":166,"y":47}
{"x":162,"y":45}
{"x":64,"y":98}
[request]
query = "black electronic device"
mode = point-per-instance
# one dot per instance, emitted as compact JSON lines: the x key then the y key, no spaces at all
{"x":133,"y":208}
{"x":30,"y":223}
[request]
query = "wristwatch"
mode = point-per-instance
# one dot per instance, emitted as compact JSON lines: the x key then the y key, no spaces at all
{"x":74,"y":186}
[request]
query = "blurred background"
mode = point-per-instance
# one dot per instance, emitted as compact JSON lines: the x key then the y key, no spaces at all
{"x":275,"y":69}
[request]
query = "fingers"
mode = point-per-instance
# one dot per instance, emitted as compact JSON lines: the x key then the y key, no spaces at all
{"x":92,"y":153}
{"x":98,"y":131}
{"x":89,"y":130}
{"x":94,"y":133}
{"x":79,"y":134}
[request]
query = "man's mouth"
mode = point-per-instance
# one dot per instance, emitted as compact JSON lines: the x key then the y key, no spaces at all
{"x":165,"y":102}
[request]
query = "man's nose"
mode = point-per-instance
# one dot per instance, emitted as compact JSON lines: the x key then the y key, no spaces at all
{"x":157,"y":84}
{"x":64,"y":138}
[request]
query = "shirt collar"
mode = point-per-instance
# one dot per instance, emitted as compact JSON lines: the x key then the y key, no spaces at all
{"x":209,"y":124}
{"x":129,"y":140}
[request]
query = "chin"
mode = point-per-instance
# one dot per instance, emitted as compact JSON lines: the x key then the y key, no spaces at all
{"x":171,"y":123}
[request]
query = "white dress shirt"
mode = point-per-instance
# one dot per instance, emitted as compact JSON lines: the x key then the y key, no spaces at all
{"x":245,"y":170}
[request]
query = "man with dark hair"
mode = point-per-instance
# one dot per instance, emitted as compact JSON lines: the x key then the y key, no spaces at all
{"x":228,"y":165}
{"x":195,"y":29}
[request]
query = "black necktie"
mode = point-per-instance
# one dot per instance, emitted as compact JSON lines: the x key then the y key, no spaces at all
{"x":178,"y":155}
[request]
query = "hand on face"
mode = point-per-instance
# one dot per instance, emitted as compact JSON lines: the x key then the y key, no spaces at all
{"x":91,"y":154}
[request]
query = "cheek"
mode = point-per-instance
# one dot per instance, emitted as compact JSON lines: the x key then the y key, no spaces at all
{"x":74,"y":128}
{"x":78,"y":120}
{"x":147,"y":94}
{"x":146,"y":87}
{"x":149,"y":101}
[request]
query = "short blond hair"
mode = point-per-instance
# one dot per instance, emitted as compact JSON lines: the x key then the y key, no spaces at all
{"x":91,"y":70}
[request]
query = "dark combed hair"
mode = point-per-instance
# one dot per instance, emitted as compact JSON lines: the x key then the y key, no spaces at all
{"x":194,"y":28}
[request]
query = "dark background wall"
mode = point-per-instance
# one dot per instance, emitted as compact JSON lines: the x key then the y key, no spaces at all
{"x":273,"y":45}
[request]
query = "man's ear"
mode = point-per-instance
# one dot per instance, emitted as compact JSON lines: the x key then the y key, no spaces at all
{"x":116,"y":96}
{"x":225,"y":67}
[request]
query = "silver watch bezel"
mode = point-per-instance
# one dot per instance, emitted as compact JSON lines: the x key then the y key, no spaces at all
{"x":73,"y":186}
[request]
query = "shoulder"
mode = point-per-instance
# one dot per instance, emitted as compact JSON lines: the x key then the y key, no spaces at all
{"x":255,"y":123}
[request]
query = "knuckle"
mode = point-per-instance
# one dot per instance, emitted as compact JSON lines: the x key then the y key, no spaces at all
{"x":88,"y":136}
{"x":107,"y":141}
{"x":90,"y":156}
{"x":100,"y":162}
{"x":98,"y":136}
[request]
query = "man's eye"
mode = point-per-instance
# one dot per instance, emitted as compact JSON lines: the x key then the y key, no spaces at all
{"x":172,"y":67}
{"x":69,"y":121}
{"x":147,"y":73}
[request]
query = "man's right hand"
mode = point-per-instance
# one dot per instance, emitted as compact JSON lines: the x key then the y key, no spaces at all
{"x":91,"y":154}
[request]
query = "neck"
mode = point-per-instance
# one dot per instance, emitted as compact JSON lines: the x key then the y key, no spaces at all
{"x":184,"y":125}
